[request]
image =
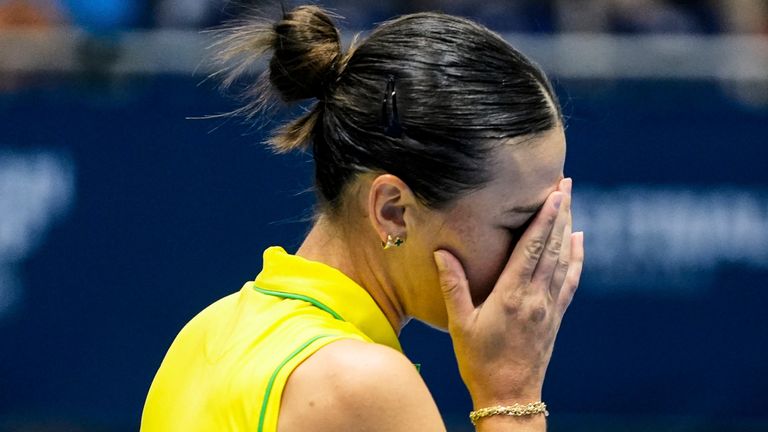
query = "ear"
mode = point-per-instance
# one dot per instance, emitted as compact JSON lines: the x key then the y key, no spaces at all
{"x":388,"y":200}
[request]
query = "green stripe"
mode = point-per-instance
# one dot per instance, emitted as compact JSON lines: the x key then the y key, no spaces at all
{"x":274,"y":377}
{"x":300,"y":297}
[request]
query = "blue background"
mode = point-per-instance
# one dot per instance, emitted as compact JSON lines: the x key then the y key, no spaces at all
{"x":171,"y":214}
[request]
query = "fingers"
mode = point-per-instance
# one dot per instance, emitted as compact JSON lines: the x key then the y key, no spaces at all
{"x":574,"y":271}
{"x":550,"y":257}
{"x":529,"y":249}
{"x":454,"y":285}
{"x":562,"y":264}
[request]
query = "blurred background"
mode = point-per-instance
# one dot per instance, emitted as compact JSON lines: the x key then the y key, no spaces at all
{"x":121,"y":218}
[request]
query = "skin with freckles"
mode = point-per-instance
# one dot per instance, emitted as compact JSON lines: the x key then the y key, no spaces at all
{"x":494,"y":268}
{"x":480,"y":229}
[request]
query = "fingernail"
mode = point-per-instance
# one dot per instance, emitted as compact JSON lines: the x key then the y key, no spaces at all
{"x":439,"y":260}
{"x":580,"y":235}
{"x":567,"y":185}
{"x":557,"y":201}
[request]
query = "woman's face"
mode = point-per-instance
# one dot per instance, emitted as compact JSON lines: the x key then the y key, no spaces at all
{"x":482,"y":227}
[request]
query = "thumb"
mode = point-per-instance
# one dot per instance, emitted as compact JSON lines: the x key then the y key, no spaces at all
{"x":454,"y":285}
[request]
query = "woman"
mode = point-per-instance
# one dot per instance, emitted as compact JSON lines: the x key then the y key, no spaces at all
{"x":438,"y":141}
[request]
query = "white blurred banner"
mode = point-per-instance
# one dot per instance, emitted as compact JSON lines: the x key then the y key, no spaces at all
{"x":648,"y":238}
{"x":566,"y":55}
{"x":37,"y":188}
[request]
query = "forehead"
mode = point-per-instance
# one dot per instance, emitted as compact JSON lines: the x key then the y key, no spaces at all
{"x":524,"y":171}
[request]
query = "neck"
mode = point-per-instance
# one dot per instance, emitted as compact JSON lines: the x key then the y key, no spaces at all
{"x":325,"y":243}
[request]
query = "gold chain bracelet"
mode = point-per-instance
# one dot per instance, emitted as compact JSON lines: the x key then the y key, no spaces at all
{"x":515,"y":410}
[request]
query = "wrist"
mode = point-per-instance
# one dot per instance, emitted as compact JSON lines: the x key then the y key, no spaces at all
{"x":486,"y":399}
{"x":504,"y":387}
{"x":520,"y":417}
{"x":485,"y":403}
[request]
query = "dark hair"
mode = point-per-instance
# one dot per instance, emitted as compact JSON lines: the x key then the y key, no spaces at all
{"x":461,"y":91}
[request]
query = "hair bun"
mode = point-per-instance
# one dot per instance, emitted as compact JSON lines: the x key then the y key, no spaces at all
{"x":306,"y":48}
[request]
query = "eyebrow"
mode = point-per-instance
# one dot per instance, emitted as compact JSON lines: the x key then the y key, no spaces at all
{"x":531,"y":208}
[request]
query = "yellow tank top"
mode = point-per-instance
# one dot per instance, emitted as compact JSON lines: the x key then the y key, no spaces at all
{"x":227,"y":368}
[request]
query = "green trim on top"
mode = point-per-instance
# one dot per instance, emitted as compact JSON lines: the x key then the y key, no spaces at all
{"x":300,"y":297}
{"x":271,"y":383}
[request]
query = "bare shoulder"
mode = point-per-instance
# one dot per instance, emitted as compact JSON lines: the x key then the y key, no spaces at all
{"x":353,"y":385}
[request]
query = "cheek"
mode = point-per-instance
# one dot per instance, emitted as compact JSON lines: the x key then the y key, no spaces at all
{"x":484,"y":254}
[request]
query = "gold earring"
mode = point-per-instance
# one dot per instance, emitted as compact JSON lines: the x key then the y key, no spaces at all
{"x":392,"y":242}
